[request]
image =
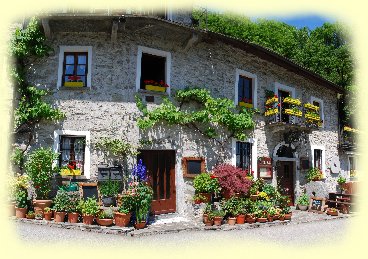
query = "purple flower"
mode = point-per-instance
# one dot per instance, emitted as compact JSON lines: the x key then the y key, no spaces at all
{"x":139,"y":171}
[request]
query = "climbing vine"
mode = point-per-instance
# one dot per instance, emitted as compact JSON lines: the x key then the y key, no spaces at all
{"x":26,"y":44}
{"x":213,"y":116}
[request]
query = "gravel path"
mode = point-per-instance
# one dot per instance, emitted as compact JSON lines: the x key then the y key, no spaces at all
{"x":304,"y":234}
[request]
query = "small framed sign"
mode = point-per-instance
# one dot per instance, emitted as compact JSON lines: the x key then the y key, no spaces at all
{"x":316,"y":204}
{"x":265,"y":167}
{"x":89,"y":190}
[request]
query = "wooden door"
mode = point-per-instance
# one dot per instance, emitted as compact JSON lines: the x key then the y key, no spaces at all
{"x":161,"y":171}
{"x":285,"y":177}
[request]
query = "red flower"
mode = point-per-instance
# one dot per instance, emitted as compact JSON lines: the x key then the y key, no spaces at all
{"x":278,"y":105}
{"x":249,"y":100}
{"x":37,"y":186}
{"x":212,"y":176}
{"x":74,"y":78}
{"x":275,"y":96}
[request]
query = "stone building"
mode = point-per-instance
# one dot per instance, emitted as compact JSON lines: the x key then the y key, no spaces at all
{"x":112,"y":54}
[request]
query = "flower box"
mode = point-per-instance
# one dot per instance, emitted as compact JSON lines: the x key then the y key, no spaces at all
{"x":246,"y":105}
{"x":70,"y":172}
{"x":311,"y":107}
{"x":156,"y":88}
{"x":312,"y":117}
{"x":270,"y":112}
{"x":272,"y":100}
{"x":293,"y":101}
{"x":293,"y":112}
{"x":74,"y":84}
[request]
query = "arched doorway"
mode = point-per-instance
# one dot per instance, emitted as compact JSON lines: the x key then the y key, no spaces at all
{"x":286,"y":159}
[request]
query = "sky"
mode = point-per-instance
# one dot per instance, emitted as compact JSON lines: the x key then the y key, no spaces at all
{"x":310,"y":21}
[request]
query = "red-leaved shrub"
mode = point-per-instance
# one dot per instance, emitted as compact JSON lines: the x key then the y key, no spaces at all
{"x":232,"y":179}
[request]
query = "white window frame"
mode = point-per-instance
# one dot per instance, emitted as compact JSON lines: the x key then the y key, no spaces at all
{"x":239,"y":73}
{"x":87,"y":153}
{"x":254,"y":153}
{"x":64,"y":49}
{"x":313,"y":147}
{"x":156,"y":52}
{"x":321,"y":108}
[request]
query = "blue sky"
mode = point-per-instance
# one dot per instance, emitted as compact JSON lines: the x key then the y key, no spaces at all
{"x":310,"y":21}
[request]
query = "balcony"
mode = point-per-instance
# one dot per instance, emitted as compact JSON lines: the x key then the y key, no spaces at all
{"x":347,"y":139}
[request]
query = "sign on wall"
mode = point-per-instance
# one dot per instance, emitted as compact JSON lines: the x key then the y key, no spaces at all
{"x":265,"y":167}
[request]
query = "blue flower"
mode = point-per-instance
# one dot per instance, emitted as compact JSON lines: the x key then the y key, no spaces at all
{"x":139,"y":171}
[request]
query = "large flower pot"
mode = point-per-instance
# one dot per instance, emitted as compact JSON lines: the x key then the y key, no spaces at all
{"x":47,"y":215}
{"x":140,"y":225}
{"x":288,"y":216}
{"x":282,"y":218}
{"x":262,"y":220}
{"x":73,"y":217}
{"x":209,"y":223}
{"x":217,"y":221}
{"x":121,"y":219}
{"x":231,"y":221}
{"x":240,"y":219}
{"x":303,"y":207}
{"x":41,"y":204}
{"x":88,"y":219}
{"x":108,"y":201}
{"x":251,"y":220}
{"x":104,"y":222}
{"x":59,"y":216}
{"x":20,"y":212}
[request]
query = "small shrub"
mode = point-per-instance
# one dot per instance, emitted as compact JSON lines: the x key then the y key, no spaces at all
{"x":303,"y":200}
{"x":206,"y":183}
{"x":109,"y":188}
{"x":89,"y":207}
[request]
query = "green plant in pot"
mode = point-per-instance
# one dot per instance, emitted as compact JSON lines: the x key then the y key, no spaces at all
{"x":341,"y":181}
{"x":142,"y":203}
{"x":109,"y":190}
{"x":231,"y":208}
{"x":89,"y":209}
{"x":61,"y":202}
{"x":205,"y":184}
{"x":123,"y":215}
{"x":73,"y":206}
{"x":303,"y":202}
{"x":313,"y":174}
{"x":39,"y":167}
{"x":105,"y":217}
{"x":218,"y":216}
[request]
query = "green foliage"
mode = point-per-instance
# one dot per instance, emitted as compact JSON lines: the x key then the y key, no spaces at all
{"x":213,"y":112}
{"x":218,"y":213}
{"x":142,"y":201}
{"x":106,"y":214}
{"x":127,"y":204}
{"x":303,"y":200}
{"x":341,"y":180}
{"x":21,"y":198}
{"x":269,"y":190}
{"x":204,"y":183}
{"x":17,"y":157}
{"x":39,"y":167}
{"x":324,"y":50}
{"x":313,"y":174}
{"x":61,"y":201}
{"x":109,"y":188}
{"x":89,"y":207}
{"x":233,"y":206}
{"x":73,"y":201}
{"x":116,"y":147}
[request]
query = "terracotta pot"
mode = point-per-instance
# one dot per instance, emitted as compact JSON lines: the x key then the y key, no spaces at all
{"x":88,"y":219}
{"x":73,"y":217}
{"x":121,"y":219}
{"x":209,"y":223}
{"x":205,"y":218}
{"x":254,"y":197}
{"x":270,"y":218}
{"x":332,"y":213}
{"x":231,"y":221}
{"x":217,"y":221}
{"x":240,"y":219}
{"x":207,"y":197}
{"x":282,"y":218}
{"x":197,"y":202}
{"x":288,"y":216}
{"x":59,"y":216}
{"x":41,"y":204}
{"x":104,"y":222}
{"x":262,"y":220}
{"x":30,"y":217}
{"x":251,"y":220}
{"x":140,"y":225}
{"x":47,"y":215}
{"x":20,"y":212}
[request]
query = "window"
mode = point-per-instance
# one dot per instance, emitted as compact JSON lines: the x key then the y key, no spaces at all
{"x":73,"y":147}
{"x":352,"y":166}
{"x":318,"y":102}
{"x":193,"y":166}
{"x":153,"y":64}
{"x":243,"y":155}
{"x":246,"y":89}
{"x":74,"y":66}
{"x":318,"y":159}
{"x":283,"y":91}
{"x":72,"y":152}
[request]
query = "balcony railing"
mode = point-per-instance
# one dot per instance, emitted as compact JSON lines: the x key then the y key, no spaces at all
{"x":348,"y":139}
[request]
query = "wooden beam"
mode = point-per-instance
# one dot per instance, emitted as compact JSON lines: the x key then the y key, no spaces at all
{"x":114,"y":30}
{"x":46,"y":28}
{"x":191,"y":41}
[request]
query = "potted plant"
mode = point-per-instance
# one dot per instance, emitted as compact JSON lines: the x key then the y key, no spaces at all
{"x":209,"y":219}
{"x":38,"y":215}
{"x":287,"y":212}
{"x":231,"y":208}
{"x":303,"y":202}
{"x":47,"y":213}
{"x":30,"y":215}
{"x":271,"y":212}
{"x":61,"y":202}
{"x":205,"y":184}
{"x":20,"y":203}
{"x":155,"y":86}
{"x":123,"y":214}
{"x":109,"y":190}
{"x":105,"y":217}
{"x":89,"y":209}
{"x":332,"y":212}
{"x":198,"y":198}
{"x":261,"y":215}
{"x":232,"y":180}
{"x":39,"y":167}
{"x":341,"y":181}
{"x":72,"y":206}
{"x":207,"y":210}
{"x":241,"y":211}
{"x":218,"y":216}
{"x":314,"y":174}
{"x":142,"y":203}
{"x":282,"y":216}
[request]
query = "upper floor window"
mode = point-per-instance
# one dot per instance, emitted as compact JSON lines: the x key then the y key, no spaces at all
{"x":283,"y":91}
{"x":319,"y":103}
{"x":153,"y":69}
{"x":74,"y":66}
{"x":246,"y":89}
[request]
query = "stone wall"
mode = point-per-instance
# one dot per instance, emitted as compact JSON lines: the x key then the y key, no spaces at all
{"x":108,"y":108}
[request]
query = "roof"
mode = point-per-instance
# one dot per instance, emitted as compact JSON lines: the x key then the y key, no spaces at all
{"x":209,"y":36}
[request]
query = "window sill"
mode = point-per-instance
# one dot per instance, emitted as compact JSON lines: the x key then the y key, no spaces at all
{"x":147,"y":92}
{"x":72,"y":88}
